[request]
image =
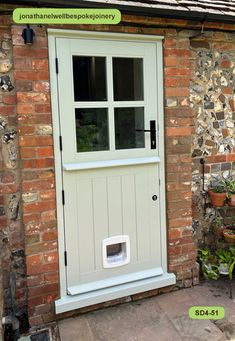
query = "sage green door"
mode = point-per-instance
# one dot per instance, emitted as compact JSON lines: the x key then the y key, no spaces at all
{"x":107,"y":98}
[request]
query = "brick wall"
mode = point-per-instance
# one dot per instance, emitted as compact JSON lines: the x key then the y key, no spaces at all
{"x":37,"y":162}
{"x":212,"y":99}
{"x":32,"y":89}
{"x":12,"y":259}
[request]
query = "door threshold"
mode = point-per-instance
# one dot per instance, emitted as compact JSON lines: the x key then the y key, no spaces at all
{"x":67,"y":303}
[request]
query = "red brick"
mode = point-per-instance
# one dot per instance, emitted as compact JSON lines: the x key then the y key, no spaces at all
{"x":179,"y":222}
{"x":216,"y":159}
{"x":170,"y":61}
{"x":35,"y":280}
{"x":35,"y":119}
{"x":170,"y":81}
{"x":9,"y":99}
{"x":41,"y":86}
{"x":36,"y":320}
{"x":51,"y":277}
{"x":38,"y":185}
{"x":38,"y":163}
{"x":28,"y":152}
{"x":22,"y":63}
{"x":28,"y":141}
{"x":51,"y":257}
{"x":48,"y":216}
{"x":26,"y":52}
{"x":177,"y":92}
{"x":175,"y":250}
{"x":33,"y":261}
{"x":38,"y":206}
{"x":179,"y":204}
{"x":46,"y":195}
{"x":225,"y":64}
{"x":7,"y":110}
{"x":9,"y":188}
{"x":31,"y":75}
{"x":45,"y":151}
{"x":40,"y":64}
{"x":177,"y":52}
{"x":7,"y":177}
{"x":42,"y":269}
{"x":42,"y":108}
{"x":169,"y":42}
{"x":52,"y":235}
{"x":174,"y":233}
{"x":178,"y":131}
{"x":23,"y":108}
{"x":25,"y":97}
{"x":47,"y":288}
{"x":188,"y":248}
{"x":177,"y":72}
{"x":230,"y":157}
{"x":41,"y":247}
{"x":27,"y":130}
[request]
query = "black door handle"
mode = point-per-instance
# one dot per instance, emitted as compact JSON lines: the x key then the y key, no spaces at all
{"x":152,"y":132}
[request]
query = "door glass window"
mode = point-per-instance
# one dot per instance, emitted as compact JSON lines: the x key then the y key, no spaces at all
{"x":127,"y":123}
{"x":89,"y":78}
{"x":92,"y":129}
{"x":128,"y":79}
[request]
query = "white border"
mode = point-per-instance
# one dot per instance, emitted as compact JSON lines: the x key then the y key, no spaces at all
{"x":66,"y":302}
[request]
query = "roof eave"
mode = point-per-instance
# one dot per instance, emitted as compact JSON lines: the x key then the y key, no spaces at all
{"x":134,"y":10}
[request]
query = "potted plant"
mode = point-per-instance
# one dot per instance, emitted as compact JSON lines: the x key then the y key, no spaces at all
{"x":217,"y":226}
{"x":217,"y":192}
{"x":208,"y":264}
{"x":230,"y":184}
{"x":229,"y":235}
{"x":224,"y":259}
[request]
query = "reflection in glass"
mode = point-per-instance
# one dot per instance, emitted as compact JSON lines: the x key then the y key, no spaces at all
{"x":89,"y":78}
{"x":128,"y":79}
{"x":127,"y":121}
{"x":92,"y":129}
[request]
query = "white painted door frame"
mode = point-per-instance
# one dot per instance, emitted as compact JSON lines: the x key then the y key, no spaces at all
{"x":66,"y":302}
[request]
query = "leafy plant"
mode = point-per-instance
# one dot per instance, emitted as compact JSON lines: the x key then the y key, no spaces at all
{"x":208,"y":262}
{"x":230,"y":270}
{"x":218,"y":186}
{"x":224,"y":256}
{"x":230,"y":185}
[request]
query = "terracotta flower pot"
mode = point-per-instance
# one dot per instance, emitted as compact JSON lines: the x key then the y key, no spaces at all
{"x":217,"y":199}
{"x":229,"y":235}
{"x":231,"y":200}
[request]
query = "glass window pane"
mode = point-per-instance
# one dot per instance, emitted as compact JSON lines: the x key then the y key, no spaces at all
{"x":127,"y":121}
{"x":128,"y":79}
{"x":92,"y":129}
{"x":89,"y":78}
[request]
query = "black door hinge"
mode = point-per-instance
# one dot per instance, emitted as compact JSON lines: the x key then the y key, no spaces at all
{"x":60,"y":141}
{"x":56,"y":66}
{"x":65,"y":258}
{"x":63,"y":198}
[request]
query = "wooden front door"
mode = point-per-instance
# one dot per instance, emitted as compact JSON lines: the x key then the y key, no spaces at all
{"x":108,"y":100}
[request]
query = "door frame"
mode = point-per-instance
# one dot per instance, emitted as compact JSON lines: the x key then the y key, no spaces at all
{"x":66,"y":303}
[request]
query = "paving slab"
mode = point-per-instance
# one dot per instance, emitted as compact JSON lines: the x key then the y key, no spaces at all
{"x":75,"y":329}
{"x":164,"y":318}
{"x":142,"y":321}
{"x":176,"y":306}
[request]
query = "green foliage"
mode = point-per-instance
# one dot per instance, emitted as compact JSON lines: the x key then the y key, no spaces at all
{"x":210,"y":261}
{"x":230,"y":270}
{"x":224,"y":256}
{"x":218,"y":186}
{"x":230,"y":185}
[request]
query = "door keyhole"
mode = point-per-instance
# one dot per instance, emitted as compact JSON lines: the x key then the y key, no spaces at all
{"x":154,"y":197}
